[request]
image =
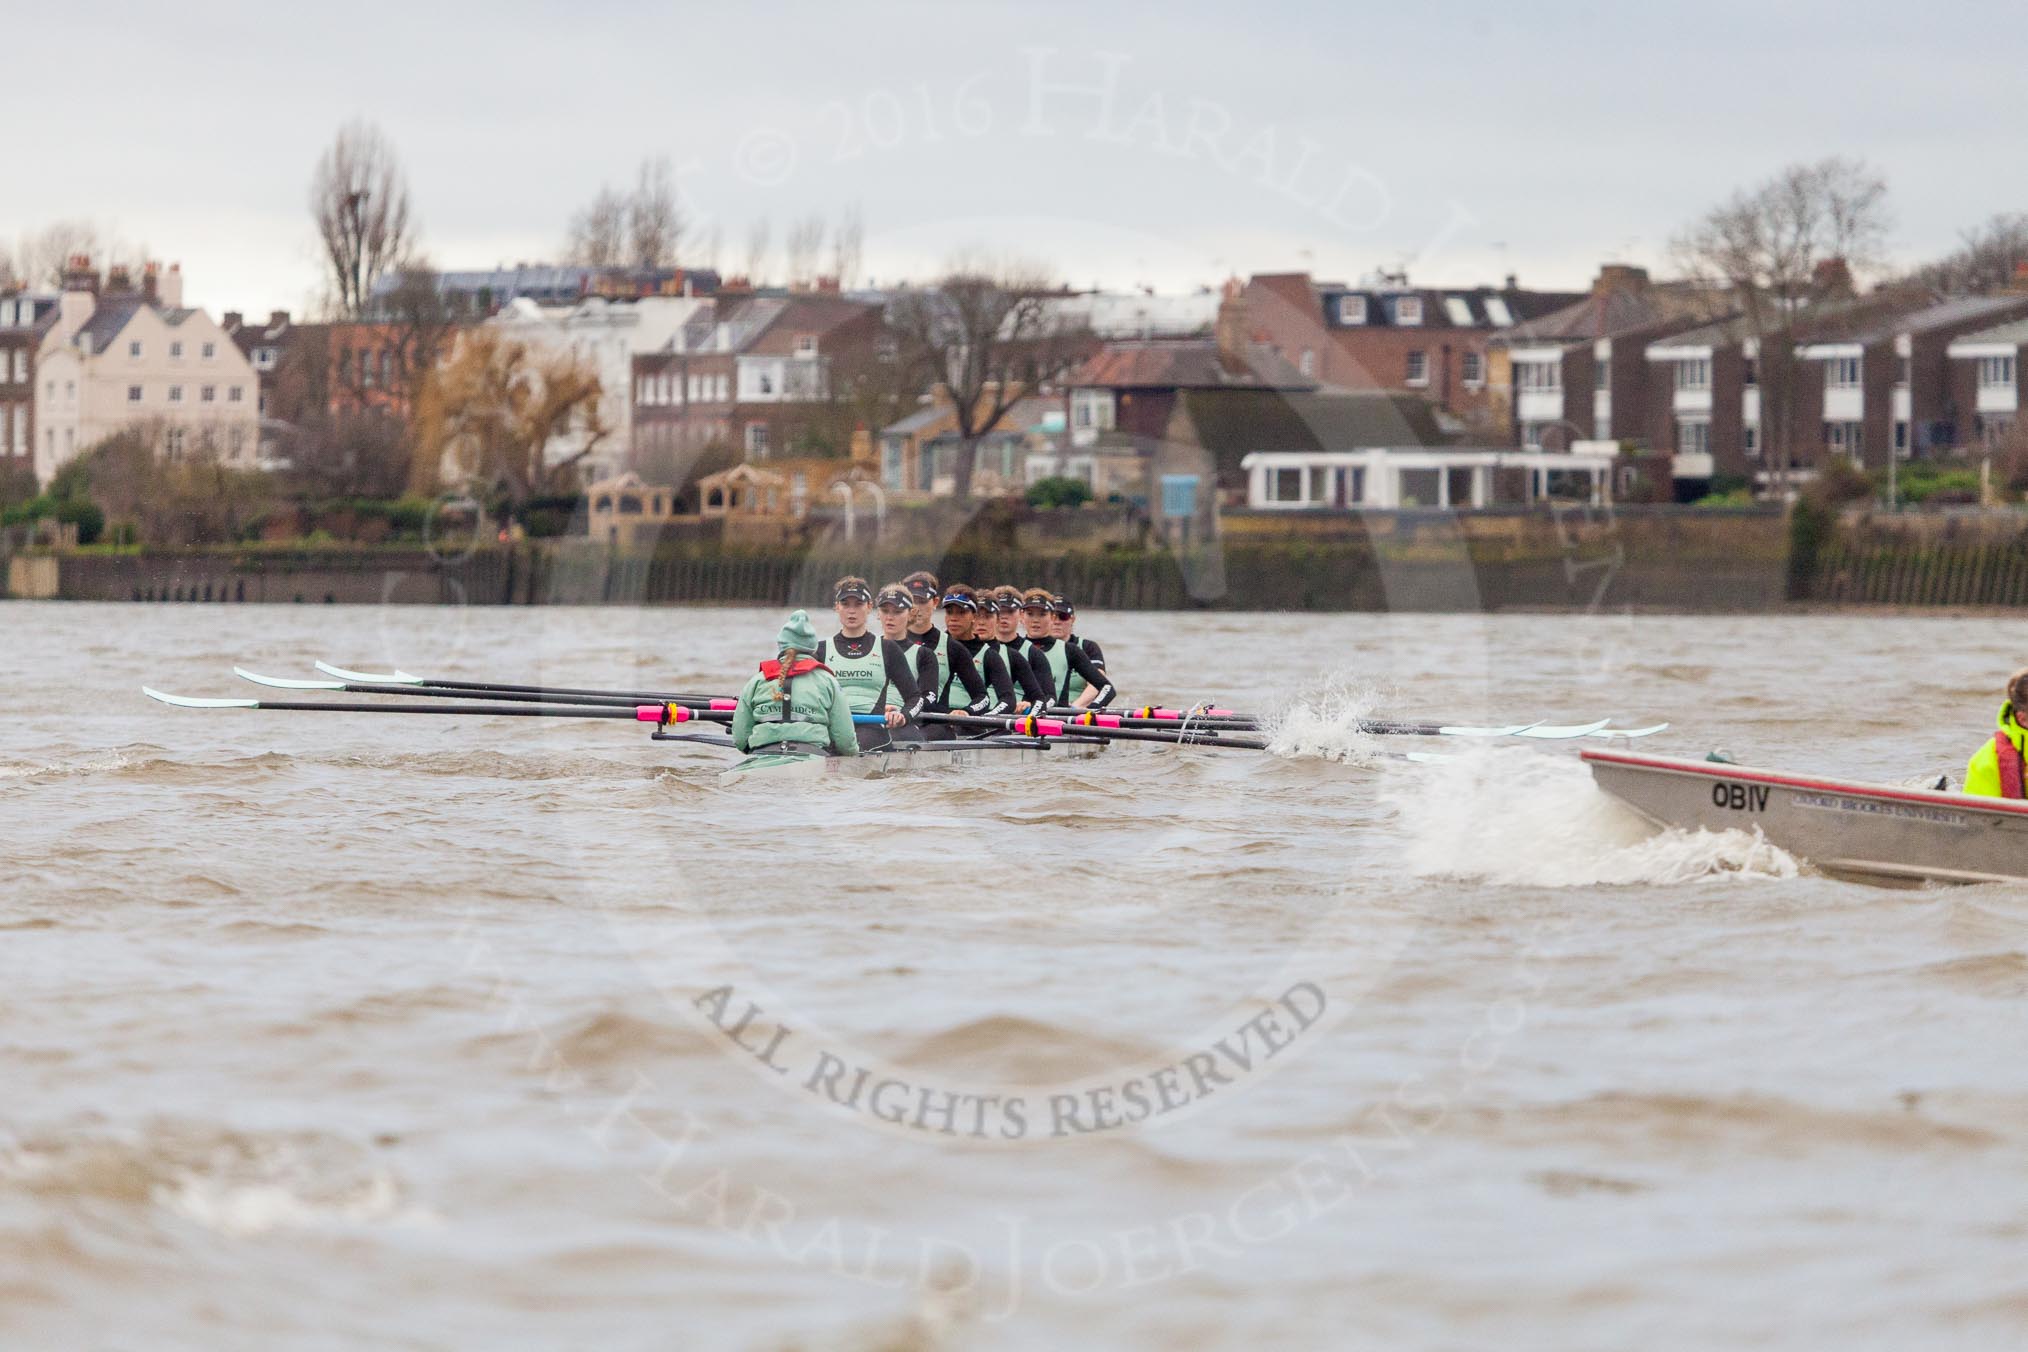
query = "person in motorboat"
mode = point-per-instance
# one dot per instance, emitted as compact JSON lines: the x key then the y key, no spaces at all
{"x":1996,"y":768}
{"x":875,"y":671}
{"x":793,"y":704}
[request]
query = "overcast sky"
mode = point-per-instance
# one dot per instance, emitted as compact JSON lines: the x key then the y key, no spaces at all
{"x":1168,"y":146}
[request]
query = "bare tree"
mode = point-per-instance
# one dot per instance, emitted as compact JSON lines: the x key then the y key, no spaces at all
{"x":1988,"y":257}
{"x":991,"y":333}
{"x":1779,"y":253}
{"x":10,"y":276}
{"x":848,"y":246}
{"x":655,"y":223}
{"x":708,"y":251}
{"x":598,"y":234}
{"x":805,"y":247}
{"x":421,"y":323}
{"x":45,"y":254}
{"x":359,"y":199}
{"x":759,"y":240}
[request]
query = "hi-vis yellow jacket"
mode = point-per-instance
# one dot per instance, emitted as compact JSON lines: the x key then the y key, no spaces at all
{"x":1983,"y":775}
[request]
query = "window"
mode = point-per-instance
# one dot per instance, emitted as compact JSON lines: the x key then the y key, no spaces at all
{"x":1286,"y":485}
{"x":235,"y":394}
{"x":1408,"y":310}
{"x":134,"y":350}
{"x":1842,"y":373}
{"x":1996,"y":373}
{"x":1845,"y":437}
{"x":757,"y":438}
{"x":1179,"y":495}
{"x":1351,"y":309}
{"x":1749,"y":438}
{"x":175,"y":394}
{"x":1538,"y":375}
{"x":1307,"y":363}
{"x":1418,"y":368}
{"x":209,"y":350}
{"x":133,"y":394}
{"x":1693,"y":436}
{"x":1091,"y":409}
{"x":1693,"y":373}
{"x":1901,"y":369}
{"x":1901,"y":436}
{"x":1749,"y":372}
{"x":174,"y":443}
{"x":175,"y":352}
{"x":1472,"y":367}
{"x":1497,"y":311}
{"x":806,"y":345}
{"x":236,"y":441}
{"x":1460,"y":311}
{"x":208,"y":394}
{"x":1532,"y":434}
{"x":264,"y":359}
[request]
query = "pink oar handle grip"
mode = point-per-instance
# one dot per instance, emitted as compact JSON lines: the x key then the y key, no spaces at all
{"x":718,"y":705}
{"x":661,"y":713}
{"x":1048,"y":727}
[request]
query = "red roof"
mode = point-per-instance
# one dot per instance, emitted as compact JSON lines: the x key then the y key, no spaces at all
{"x":1187,"y":364}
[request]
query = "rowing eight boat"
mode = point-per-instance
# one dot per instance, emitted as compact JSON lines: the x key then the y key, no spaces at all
{"x":905,"y":757}
{"x":1877,"y":833}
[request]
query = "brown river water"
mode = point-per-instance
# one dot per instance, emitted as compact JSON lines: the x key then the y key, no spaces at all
{"x":327,"y":1031}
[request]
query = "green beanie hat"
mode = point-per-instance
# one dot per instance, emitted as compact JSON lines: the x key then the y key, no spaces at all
{"x":798,"y":634}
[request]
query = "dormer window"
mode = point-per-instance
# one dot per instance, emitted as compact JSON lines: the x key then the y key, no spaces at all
{"x":1351,"y":309}
{"x":1460,"y":311}
{"x":806,"y":345}
{"x":1408,"y":310}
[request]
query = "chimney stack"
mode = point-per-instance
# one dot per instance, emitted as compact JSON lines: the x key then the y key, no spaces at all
{"x":170,"y":287}
{"x":79,"y":276}
{"x":1230,"y":326}
{"x":231,"y":322}
{"x":118,"y":280}
{"x":1619,"y":277}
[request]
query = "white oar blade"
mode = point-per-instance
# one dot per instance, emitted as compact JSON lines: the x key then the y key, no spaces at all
{"x":283,"y":683}
{"x":1425,"y":757}
{"x":370,"y":677}
{"x":1516,"y":730}
{"x":1632,"y":732}
{"x":186,"y":702}
{"x":1551,"y":733}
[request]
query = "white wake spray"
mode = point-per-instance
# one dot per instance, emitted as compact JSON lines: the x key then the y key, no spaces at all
{"x":1518,"y":815}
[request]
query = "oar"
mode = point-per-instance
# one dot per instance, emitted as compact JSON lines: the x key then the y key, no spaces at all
{"x":475,"y":691}
{"x":653,"y":713}
{"x":402,"y":678}
{"x":1052,"y":727}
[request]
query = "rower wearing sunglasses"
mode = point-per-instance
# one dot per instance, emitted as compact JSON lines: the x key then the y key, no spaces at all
{"x":1065,"y":616}
{"x":952,"y":664}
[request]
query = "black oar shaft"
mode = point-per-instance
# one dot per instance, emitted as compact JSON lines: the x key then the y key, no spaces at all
{"x":642,"y":696}
{"x":502,"y":695}
{"x":495,"y":711}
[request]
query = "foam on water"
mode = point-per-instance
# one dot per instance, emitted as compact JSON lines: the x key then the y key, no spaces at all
{"x":1323,"y":724}
{"x":1521,"y":816}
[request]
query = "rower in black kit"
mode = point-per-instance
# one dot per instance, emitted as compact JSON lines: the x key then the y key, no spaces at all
{"x":875,"y":671}
{"x":966,"y":619}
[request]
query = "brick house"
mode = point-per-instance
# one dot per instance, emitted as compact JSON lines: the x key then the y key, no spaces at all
{"x":1385,"y":334}
{"x":1884,"y":380}
{"x":751,"y":377}
{"x":1581,"y":373}
{"x":24,"y":318}
{"x":1984,"y":383}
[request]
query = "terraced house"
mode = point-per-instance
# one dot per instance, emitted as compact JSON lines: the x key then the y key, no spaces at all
{"x":120,"y":357}
{"x":23,"y":317}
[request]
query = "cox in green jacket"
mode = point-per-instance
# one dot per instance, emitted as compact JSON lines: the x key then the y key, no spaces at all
{"x":818,"y":714}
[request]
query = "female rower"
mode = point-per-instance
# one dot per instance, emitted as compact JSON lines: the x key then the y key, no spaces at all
{"x":965,"y":617}
{"x":793,"y":703}
{"x":1034,"y":689}
{"x":952,"y":663}
{"x":868,"y":666}
{"x":894,"y":606}
{"x":1065,"y":614}
{"x":1054,"y":662}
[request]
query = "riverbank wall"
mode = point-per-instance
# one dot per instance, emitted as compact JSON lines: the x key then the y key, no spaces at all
{"x":1569,"y":560}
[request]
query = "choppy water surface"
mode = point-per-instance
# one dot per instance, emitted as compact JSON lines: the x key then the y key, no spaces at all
{"x":328,"y":1031}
